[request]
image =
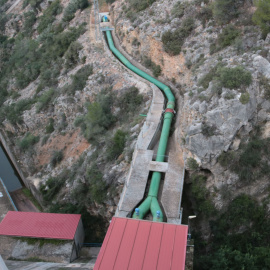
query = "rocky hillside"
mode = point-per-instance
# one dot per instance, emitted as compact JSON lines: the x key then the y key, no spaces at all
{"x":215,"y":55}
{"x":69,"y":111}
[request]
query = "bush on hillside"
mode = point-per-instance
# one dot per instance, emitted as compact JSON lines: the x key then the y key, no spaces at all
{"x":79,"y":79}
{"x":97,"y":186}
{"x":261,"y":16}
{"x":72,"y":7}
{"x":200,"y":193}
{"x":28,"y":141}
{"x":140,"y":5}
{"x":29,"y":20}
{"x":35,"y":4}
{"x":234,"y":77}
{"x":231,"y":78}
{"x":45,"y":99}
{"x":205,"y":14}
{"x":227,"y":36}
{"x":13,"y":113}
{"x":57,"y":157}
{"x":50,"y":127}
{"x":72,"y":55}
{"x":116,"y":145}
{"x":99,"y":117}
{"x":51,"y":188}
{"x":173,"y":40}
{"x":226,"y":10}
{"x":49,"y":14}
{"x":244,"y":98}
{"x":178,"y":10}
{"x":153,"y":66}
{"x":129,"y":102}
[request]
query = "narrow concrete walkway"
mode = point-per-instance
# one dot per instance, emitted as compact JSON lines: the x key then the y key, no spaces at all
{"x":22,"y":202}
{"x":22,"y":265}
{"x":134,"y":189}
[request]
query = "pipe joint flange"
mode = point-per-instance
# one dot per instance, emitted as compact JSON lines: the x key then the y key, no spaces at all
{"x":170,"y":111}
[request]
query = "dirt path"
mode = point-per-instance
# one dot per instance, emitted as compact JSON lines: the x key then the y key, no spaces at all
{"x":22,"y":202}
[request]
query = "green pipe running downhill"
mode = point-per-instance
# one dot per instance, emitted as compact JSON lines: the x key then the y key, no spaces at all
{"x":151,"y":202}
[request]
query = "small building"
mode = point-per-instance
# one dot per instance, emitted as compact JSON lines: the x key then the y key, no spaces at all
{"x":140,"y":244}
{"x":67,"y":227}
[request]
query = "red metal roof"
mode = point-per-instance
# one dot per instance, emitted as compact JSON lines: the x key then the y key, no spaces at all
{"x":132,"y":244}
{"x":40,"y":225}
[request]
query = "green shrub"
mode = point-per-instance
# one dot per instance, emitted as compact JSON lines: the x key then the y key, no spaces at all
{"x":116,"y":145}
{"x":207,"y":78}
{"x":178,"y":10}
{"x":50,"y":128}
{"x":45,"y":139}
{"x":154,"y":67}
{"x":25,"y":61}
{"x":244,"y":98}
{"x":49,"y":76}
{"x":98,"y":188}
{"x":28,"y":141}
{"x":192,"y":164}
{"x":35,"y":4}
{"x":63,"y":123}
{"x":173,"y":41}
{"x":250,"y":162}
{"x":227,"y":36}
{"x":72,"y":55}
{"x":99,"y":117}
{"x":265,"y":84}
{"x":205,"y":14}
{"x":79,"y":79}
{"x":51,"y":188}
{"x":13,"y":112}
{"x":226,"y":10}
{"x":234,"y":77}
{"x":129,"y":102}
{"x":29,"y":21}
{"x":208,"y":130}
{"x":48,"y":16}
{"x":72,"y":7}
{"x":57,"y":157}
{"x":261,"y":16}
{"x":135,"y":42}
{"x":226,"y":159}
{"x":139,"y":5}
{"x":201,"y":195}
{"x":243,"y":222}
{"x":45,"y":99}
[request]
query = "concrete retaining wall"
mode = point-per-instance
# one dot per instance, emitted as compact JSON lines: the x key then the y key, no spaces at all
{"x":11,"y":156}
{"x":13,"y":159}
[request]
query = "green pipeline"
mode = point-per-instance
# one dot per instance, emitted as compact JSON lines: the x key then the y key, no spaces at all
{"x":151,"y":202}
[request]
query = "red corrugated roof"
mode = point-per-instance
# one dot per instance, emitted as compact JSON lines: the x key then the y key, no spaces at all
{"x":40,"y":225}
{"x":132,"y":244}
